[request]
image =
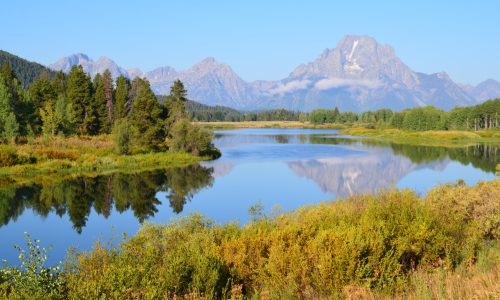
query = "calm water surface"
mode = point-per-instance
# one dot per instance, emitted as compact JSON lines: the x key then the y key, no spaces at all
{"x":278,"y":168}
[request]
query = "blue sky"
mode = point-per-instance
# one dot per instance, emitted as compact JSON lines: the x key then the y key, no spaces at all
{"x":259,"y":39}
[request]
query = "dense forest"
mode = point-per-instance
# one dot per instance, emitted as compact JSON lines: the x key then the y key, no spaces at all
{"x":204,"y":113}
{"x":76,"y":104}
{"x":26,"y":71}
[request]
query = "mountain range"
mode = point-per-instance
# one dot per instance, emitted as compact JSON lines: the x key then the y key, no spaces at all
{"x":358,"y":74}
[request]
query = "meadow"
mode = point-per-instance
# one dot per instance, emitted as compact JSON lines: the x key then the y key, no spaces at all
{"x":55,"y":158}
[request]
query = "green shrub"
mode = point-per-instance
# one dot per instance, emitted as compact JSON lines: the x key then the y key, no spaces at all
{"x":50,"y":153}
{"x":188,"y":138}
{"x":122,"y":134}
{"x":9,"y":157}
{"x":374,"y":242}
{"x":32,"y":280}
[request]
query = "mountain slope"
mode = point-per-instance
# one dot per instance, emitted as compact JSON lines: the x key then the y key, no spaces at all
{"x":208,"y":82}
{"x":361,"y":74}
{"x":488,"y":89}
{"x":358,"y":74}
{"x":26,"y":71}
{"x":90,"y":66}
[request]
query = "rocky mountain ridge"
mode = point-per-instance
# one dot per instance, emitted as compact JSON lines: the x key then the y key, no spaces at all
{"x":358,"y":74}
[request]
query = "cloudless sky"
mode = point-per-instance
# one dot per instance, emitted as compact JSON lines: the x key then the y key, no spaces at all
{"x":259,"y":39}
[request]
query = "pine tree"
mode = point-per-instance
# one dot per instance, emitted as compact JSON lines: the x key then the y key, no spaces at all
{"x":59,"y":83}
{"x":176,"y":103}
{"x":135,"y":86}
{"x":121,"y":97}
{"x":145,"y":117}
{"x":79,"y":95}
{"x":5,"y":102}
{"x":40,"y":92}
{"x":99,"y":102}
{"x":19,"y":102}
{"x":107,"y":83}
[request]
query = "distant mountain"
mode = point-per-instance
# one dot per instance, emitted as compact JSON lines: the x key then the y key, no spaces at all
{"x":361,"y":74}
{"x":26,"y":71}
{"x":358,"y":74}
{"x":92,"y":67}
{"x":488,"y":89}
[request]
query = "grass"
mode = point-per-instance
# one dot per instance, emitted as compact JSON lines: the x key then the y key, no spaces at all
{"x":428,"y":138}
{"x":266,"y":124}
{"x":447,"y":138}
{"x":59,"y":158}
{"x":394,"y":245}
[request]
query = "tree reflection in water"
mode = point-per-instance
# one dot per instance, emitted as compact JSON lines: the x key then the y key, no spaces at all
{"x":125,"y":191}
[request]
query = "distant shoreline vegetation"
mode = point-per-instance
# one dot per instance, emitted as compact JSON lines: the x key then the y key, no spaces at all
{"x":482,"y":116}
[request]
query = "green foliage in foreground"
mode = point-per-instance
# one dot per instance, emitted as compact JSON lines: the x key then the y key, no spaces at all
{"x":373,"y":242}
{"x":33,"y":280}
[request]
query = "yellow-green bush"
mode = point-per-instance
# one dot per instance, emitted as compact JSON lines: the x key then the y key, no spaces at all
{"x":373,"y":242}
{"x":51,"y":153}
{"x":9,"y":157}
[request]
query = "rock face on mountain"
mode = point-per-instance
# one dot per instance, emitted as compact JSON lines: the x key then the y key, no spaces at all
{"x":215,"y":83}
{"x":487,"y":89}
{"x":88,"y":65}
{"x":361,"y":74}
{"x":358,"y":74}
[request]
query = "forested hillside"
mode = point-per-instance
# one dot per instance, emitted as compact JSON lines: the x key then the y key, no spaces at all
{"x":26,"y":71}
{"x":205,"y":113}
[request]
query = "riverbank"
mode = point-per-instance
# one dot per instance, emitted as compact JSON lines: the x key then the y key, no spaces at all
{"x":268,"y":124}
{"x":425,"y":138}
{"x":394,"y":245}
{"x":428,"y":138}
{"x":60,"y":158}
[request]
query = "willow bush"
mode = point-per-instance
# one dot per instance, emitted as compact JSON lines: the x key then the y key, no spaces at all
{"x":370,"y":243}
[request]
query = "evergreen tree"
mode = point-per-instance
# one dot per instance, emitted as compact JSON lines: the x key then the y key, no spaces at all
{"x":59,"y":83}
{"x":107,"y":83}
{"x":121,"y":97}
{"x":176,"y":102}
{"x":5,"y":103}
{"x":132,"y":94}
{"x":99,"y":102}
{"x":40,"y":92}
{"x":79,"y":95}
{"x":19,"y":102}
{"x":145,"y":117}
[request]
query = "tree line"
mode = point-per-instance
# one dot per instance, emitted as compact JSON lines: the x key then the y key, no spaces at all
{"x":76,"y":104}
{"x":203,"y":113}
{"x":482,"y":116}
